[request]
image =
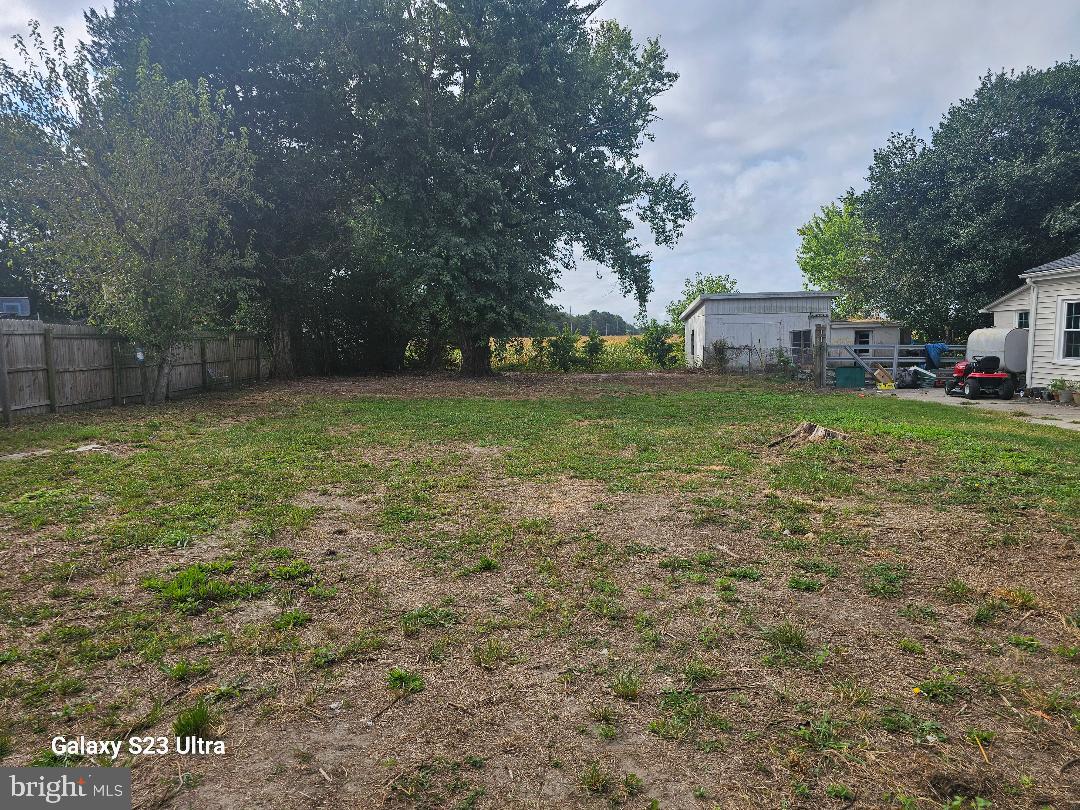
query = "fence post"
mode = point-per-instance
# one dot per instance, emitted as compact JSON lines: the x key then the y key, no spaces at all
{"x":5,"y":395}
{"x":232,"y":360}
{"x":258,"y":358}
{"x":50,"y":369}
{"x":821,"y":350}
{"x":202,"y":365}
{"x":117,"y":380}
{"x":895,"y":358}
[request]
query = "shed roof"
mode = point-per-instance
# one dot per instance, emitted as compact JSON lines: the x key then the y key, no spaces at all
{"x":857,"y":322}
{"x":690,"y":310}
{"x":1070,"y":262}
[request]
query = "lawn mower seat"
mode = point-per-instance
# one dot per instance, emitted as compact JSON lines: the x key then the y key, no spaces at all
{"x":987,"y":365}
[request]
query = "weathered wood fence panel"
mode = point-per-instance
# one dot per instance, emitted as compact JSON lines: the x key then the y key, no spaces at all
{"x":65,"y":367}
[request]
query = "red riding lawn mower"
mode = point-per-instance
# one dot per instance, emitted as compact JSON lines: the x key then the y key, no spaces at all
{"x":980,"y":376}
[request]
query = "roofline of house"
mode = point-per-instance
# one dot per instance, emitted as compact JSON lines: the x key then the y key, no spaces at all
{"x":1060,"y":271}
{"x":989,"y":308}
{"x":701,"y":299}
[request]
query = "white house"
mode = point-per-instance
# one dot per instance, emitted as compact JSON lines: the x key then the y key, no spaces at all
{"x":1049,"y":306}
{"x":1012,"y":310}
{"x":755,"y":325}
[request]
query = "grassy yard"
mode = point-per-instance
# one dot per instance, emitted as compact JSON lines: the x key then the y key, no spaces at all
{"x":549,"y":592}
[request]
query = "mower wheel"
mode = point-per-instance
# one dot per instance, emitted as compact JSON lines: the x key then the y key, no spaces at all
{"x":1007,"y":389}
{"x":972,"y":389}
{"x":950,"y":387}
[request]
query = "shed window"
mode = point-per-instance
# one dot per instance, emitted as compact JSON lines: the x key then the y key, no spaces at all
{"x":1070,"y":344}
{"x":1023,"y":319}
{"x":863,"y":337}
{"x":800,"y":346}
{"x":693,"y":344}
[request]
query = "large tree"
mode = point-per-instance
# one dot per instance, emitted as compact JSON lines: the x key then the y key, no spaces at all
{"x":292,"y":72}
{"x":995,"y":191}
{"x":428,"y":168}
{"x":130,"y":193}
{"x":836,"y":253}
{"x":693,"y":288}
{"x":518,"y":149}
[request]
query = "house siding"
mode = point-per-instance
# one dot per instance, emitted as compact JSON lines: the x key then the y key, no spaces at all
{"x":1046,"y":334}
{"x":1005,"y":311}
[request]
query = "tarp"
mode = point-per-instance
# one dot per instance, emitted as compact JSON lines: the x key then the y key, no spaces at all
{"x":933,"y":354}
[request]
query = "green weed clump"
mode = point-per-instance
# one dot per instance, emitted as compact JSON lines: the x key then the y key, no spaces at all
{"x":195,"y":721}
{"x":405,"y":682}
{"x":197,"y":587}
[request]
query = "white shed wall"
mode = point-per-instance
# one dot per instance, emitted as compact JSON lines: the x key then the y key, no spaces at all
{"x":694,"y":332}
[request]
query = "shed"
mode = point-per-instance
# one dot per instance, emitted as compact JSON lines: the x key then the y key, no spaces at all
{"x":14,"y":306}
{"x":869,"y":332}
{"x":756,"y":328}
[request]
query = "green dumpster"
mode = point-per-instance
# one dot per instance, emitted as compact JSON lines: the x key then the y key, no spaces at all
{"x":850,"y":377}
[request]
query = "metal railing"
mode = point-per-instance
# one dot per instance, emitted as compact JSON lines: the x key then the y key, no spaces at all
{"x":892,"y":356}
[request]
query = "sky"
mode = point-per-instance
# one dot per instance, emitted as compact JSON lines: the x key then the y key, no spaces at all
{"x":779,"y":106}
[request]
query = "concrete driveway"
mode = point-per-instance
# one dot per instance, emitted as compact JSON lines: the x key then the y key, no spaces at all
{"x":1043,"y":413}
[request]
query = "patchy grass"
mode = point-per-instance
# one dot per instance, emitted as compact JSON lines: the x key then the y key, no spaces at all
{"x":552,"y":578}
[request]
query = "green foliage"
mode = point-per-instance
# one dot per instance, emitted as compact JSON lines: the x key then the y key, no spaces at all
{"x":290,"y":619}
{"x":195,"y":721}
{"x":835,"y":254}
{"x":654,"y":342}
{"x":700,"y":284}
{"x":945,"y":226}
{"x":408,"y":191}
{"x":427,"y":616}
{"x":133,"y":196}
{"x":196,"y":587}
{"x":593,"y":349}
{"x":886,"y":579}
{"x":944,"y":687}
{"x":627,"y":685}
{"x":562,"y":350}
{"x":405,"y":682}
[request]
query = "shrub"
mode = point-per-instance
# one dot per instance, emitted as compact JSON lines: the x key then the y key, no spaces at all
{"x":654,"y":343}
{"x":593,"y":349}
{"x":562,"y":350}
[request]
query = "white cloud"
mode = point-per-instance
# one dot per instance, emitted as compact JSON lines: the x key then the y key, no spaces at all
{"x":781,"y":104}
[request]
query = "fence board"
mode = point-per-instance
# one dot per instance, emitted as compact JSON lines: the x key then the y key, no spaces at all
{"x":86,"y":374}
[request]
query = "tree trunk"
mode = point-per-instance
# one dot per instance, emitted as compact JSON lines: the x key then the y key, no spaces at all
{"x":282,"y":366}
{"x":476,"y":357}
{"x":161,"y":381}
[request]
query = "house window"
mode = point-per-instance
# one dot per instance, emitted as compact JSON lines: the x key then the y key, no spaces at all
{"x":863,"y":337}
{"x":1070,"y":344}
{"x":1023,"y":319}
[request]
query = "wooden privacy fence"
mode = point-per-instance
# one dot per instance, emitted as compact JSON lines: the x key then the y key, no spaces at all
{"x":49,"y":368}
